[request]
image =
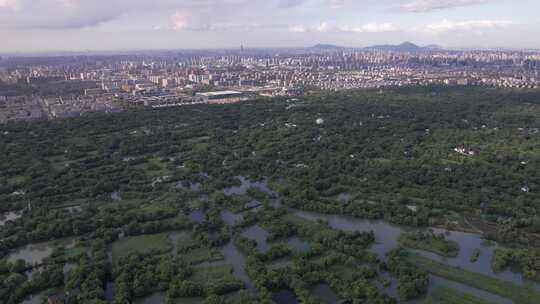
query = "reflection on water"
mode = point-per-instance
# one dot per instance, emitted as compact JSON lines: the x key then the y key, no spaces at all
{"x":386,"y":237}
{"x":237,"y":260}
{"x":284,"y":296}
{"x":258,"y":234}
{"x":246,"y":184}
{"x":109,"y":289}
{"x":32,"y":253}
{"x":195,"y":187}
{"x":324,"y":293}
{"x":390,"y":287}
{"x":197,"y":216}
{"x":468,"y":242}
{"x":36,"y":253}
{"x":230,"y":218}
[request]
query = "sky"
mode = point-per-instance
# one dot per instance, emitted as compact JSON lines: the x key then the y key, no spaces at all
{"x":91,"y":25}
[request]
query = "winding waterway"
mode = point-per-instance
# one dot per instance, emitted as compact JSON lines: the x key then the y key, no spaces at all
{"x":386,"y":238}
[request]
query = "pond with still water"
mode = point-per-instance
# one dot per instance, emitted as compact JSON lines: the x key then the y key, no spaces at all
{"x":35,"y":253}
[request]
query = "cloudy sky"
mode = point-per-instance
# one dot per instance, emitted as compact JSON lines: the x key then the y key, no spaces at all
{"x":49,"y":25}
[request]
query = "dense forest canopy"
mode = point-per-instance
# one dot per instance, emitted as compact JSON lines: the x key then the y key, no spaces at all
{"x":388,"y":146}
{"x":461,"y":158}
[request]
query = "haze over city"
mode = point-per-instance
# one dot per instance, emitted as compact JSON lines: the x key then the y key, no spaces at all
{"x":269,"y":151}
{"x":77,"y":25}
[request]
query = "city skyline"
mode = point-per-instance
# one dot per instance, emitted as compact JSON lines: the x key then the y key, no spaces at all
{"x":75,"y":25}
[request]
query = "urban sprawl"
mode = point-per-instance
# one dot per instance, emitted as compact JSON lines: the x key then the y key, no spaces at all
{"x":49,"y":87}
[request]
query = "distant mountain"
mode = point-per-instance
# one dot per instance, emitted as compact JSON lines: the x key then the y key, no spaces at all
{"x":404,"y":47}
{"x":326,"y":47}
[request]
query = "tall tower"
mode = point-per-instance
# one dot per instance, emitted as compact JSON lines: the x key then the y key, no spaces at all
{"x":241,"y":48}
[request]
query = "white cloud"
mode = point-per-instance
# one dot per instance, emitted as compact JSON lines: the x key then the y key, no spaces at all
{"x":297,"y":29}
{"x":180,"y":20}
{"x":69,"y":3}
{"x":371,"y":28}
{"x":474,"y":26}
{"x":9,"y":4}
{"x":325,"y":27}
{"x":337,"y":3}
{"x":56,"y":14}
{"x":431,"y":5}
{"x":289,"y":3}
{"x":75,"y":14}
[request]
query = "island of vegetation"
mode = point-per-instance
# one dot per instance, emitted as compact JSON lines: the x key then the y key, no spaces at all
{"x":430,"y":241}
{"x":475,"y":255}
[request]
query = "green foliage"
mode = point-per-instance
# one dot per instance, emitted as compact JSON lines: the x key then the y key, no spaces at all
{"x":393,"y":152}
{"x":217,"y":280}
{"x":445,"y":295}
{"x":518,"y":294}
{"x":429,"y":241}
{"x":140,"y":244}
{"x":413,"y":282}
{"x":141,"y":274}
{"x":474,"y":255}
{"x":528,"y":259}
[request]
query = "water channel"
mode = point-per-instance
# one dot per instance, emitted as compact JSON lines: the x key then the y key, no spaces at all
{"x":246,"y":184}
{"x":386,"y":236}
{"x":324,"y":293}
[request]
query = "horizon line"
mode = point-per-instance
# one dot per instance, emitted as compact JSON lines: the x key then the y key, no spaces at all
{"x":134,"y":51}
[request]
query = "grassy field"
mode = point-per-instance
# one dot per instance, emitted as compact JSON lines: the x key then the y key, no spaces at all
{"x":445,"y":295}
{"x":201,"y":255}
{"x":142,"y":243}
{"x":518,"y":294}
{"x":76,"y":251}
{"x":193,"y":300}
{"x":19,"y":179}
{"x":213,"y":276}
{"x":205,"y":274}
{"x":183,"y":240}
